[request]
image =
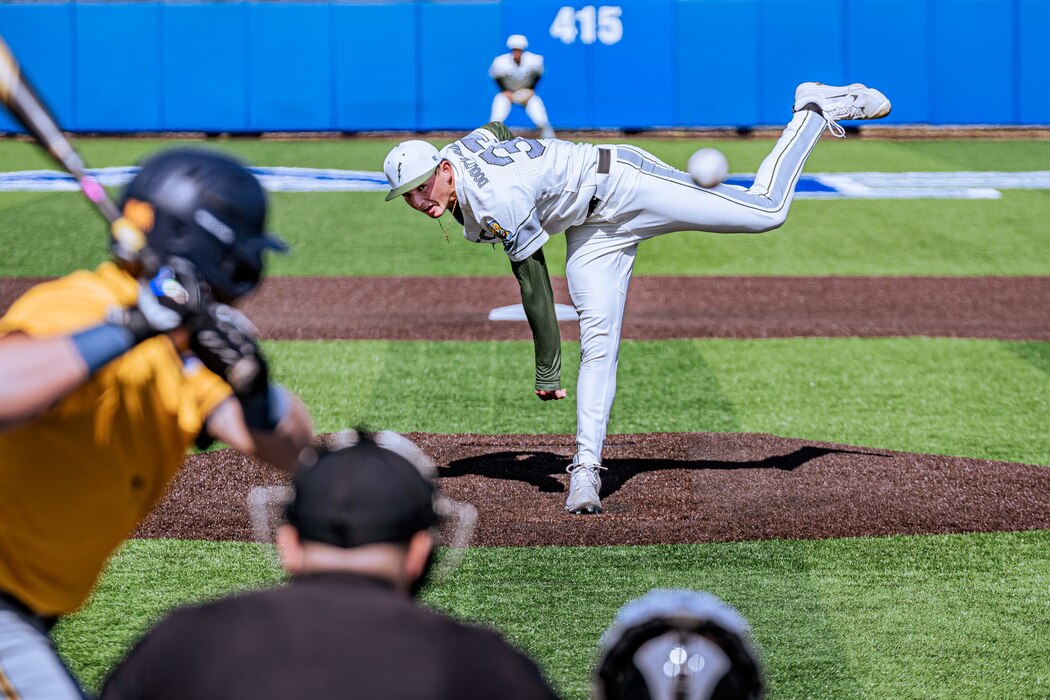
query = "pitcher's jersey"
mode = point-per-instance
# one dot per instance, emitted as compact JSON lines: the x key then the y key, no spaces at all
{"x":521,"y":192}
{"x":513,"y":76}
{"x":76,"y":480}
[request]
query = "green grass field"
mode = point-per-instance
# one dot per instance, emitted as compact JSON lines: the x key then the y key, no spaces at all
{"x":965,"y":616}
{"x":360,"y":234}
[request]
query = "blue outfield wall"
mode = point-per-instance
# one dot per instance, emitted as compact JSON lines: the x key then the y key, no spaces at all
{"x":415,"y":65}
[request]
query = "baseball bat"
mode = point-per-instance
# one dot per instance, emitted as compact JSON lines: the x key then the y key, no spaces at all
{"x":21,"y":100}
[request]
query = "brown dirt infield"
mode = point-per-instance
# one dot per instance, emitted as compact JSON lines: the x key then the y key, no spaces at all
{"x":456,"y":308}
{"x":666,"y":488}
{"x":662,"y":488}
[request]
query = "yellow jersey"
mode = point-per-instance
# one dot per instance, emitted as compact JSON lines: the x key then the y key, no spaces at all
{"x":77,"y":480}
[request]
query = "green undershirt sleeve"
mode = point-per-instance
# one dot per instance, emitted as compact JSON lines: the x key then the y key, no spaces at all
{"x":538,"y":299}
{"x":500,"y":130}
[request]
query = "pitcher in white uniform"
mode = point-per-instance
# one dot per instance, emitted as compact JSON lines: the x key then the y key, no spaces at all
{"x":607,"y":199}
{"x":516,"y":74}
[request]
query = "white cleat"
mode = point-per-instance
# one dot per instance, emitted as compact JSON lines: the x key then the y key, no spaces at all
{"x":584,"y":485}
{"x":854,"y":101}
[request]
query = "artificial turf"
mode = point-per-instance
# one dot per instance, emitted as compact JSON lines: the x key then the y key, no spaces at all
{"x":903,"y":617}
{"x":972,"y":398}
{"x":355,"y":233}
{"x":955,"y":617}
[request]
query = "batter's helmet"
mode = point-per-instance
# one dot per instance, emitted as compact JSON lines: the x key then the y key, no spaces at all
{"x":677,"y":645}
{"x":205,"y":208}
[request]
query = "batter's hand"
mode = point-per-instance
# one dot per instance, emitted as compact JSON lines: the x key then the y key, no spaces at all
{"x":165,"y":303}
{"x":223,"y":340}
{"x":551,"y":394}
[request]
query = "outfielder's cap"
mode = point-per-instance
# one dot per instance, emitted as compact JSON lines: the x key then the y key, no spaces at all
{"x":375,"y":488}
{"x":517,"y":41}
{"x":408,"y":165}
{"x":677,"y":644}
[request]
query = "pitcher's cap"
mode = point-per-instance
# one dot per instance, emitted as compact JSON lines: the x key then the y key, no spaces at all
{"x":408,"y":165}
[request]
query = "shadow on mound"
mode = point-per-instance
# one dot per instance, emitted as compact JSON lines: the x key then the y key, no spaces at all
{"x":539,"y":468}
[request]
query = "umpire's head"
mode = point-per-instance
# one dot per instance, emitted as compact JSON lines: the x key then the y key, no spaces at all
{"x":367,"y":507}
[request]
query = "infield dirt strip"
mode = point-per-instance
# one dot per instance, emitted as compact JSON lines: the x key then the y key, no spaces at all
{"x":663,"y":487}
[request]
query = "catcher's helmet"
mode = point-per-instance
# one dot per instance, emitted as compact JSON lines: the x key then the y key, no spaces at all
{"x":206,"y":208}
{"x":677,"y":645}
{"x":376,"y":488}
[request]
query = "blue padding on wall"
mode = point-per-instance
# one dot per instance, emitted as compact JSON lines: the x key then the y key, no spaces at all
{"x":117,"y":49}
{"x":972,"y":62}
{"x":374,"y":61}
{"x":48,"y":64}
{"x":634,"y":77}
{"x":455,"y":94}
{"x":716,"y":58}
{"x":800,"y":41}
{"x":290,"y":67}
{"x":1034,"y":74}
{"x":888,"y":48}
{"x":204,"y":68}
{"x":565,"y":89}
{"x":415,"y":64}
{"x":454,"y":87}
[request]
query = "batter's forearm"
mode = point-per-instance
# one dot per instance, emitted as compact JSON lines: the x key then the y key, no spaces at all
{"x":537,"y":297}
{"x":279,"y":447}
{"x":35,"y":374}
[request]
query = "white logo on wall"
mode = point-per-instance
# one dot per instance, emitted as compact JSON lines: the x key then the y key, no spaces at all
{"x":602,"y":24}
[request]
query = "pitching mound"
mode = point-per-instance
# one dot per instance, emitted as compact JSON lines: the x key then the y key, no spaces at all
{"x":666,"y":488}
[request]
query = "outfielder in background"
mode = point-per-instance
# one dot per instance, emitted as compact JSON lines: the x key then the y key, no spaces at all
{"x":108,"y":376}
{"x":607,"y":199}
{"x":516,"y":74}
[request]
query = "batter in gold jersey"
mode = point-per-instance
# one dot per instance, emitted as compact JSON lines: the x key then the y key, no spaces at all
{"x":108,"y":376}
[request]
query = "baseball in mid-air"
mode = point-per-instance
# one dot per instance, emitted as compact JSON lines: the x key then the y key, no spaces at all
{"x":708,"y":167}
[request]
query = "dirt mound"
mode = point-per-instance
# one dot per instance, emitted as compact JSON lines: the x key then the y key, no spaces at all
{"x":666,"y":488}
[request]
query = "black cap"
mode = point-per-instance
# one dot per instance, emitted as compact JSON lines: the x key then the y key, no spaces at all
{"x":363,"y":494}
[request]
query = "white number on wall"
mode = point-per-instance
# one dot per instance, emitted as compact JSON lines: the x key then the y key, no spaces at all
{"x":610,"y":28}
{"x":602,"y":24}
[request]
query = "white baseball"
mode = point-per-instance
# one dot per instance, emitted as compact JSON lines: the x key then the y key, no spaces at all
{"x":708,"y":167}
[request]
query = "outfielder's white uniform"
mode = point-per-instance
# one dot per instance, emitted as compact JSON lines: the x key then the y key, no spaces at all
{"x":520,"y":80}
{"x":607,"y":199}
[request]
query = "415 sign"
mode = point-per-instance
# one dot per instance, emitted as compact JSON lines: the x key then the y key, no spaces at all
{"x":588,"y":23}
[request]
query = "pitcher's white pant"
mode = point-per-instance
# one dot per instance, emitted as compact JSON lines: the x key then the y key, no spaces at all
{"x":534,"y":108}
{"x":29,"y":666}
{"x":642,"y":197}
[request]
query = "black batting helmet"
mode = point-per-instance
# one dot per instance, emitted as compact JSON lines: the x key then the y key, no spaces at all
{"x":206,"y":208}
{"x":677,"y":645}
